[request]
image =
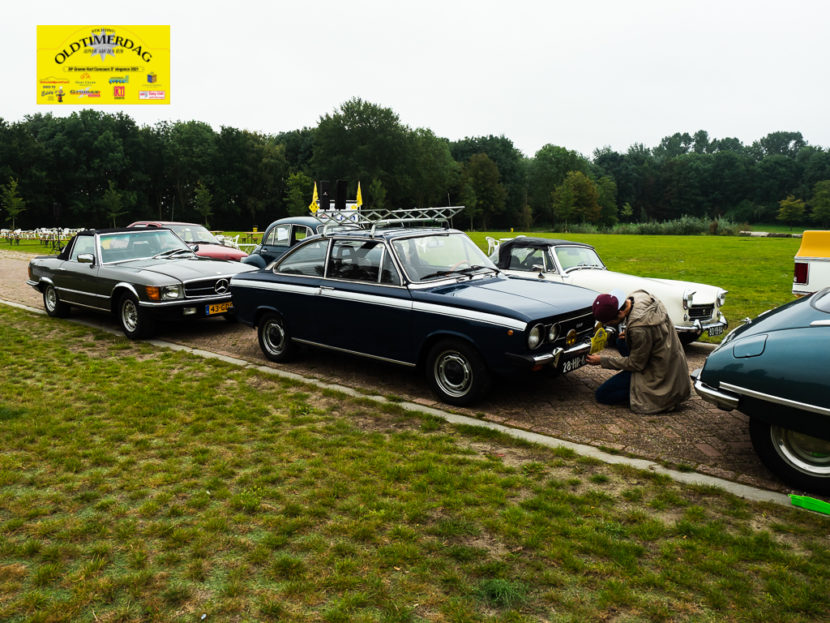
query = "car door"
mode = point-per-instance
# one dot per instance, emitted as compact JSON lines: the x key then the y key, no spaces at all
{"x":368,"y":310}
{"x":75,"y":280}
{"x":280,"y":238}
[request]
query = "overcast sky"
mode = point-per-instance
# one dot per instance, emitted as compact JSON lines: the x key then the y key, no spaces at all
{"x":581,"y":75}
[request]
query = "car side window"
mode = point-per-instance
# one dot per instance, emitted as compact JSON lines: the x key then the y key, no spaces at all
{"x":526,"y":259}
{"x":300,"y":233}
{"x":309,"y":259}
{"x":360,"y":260}
{"x":83,"y":244}
{"x":279,"y":236}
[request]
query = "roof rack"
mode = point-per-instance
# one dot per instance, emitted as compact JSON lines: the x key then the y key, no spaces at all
{"x":384,"y":217}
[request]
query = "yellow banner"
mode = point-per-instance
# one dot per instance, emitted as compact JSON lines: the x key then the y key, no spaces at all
{"x":88,"y":65}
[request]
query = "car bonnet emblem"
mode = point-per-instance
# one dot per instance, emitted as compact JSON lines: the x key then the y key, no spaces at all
{"x":221,"y":286}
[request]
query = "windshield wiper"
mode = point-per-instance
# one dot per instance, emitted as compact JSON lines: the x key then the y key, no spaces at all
{"x":172,"y":252}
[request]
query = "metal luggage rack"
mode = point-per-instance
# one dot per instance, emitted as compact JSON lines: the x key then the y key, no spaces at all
{"x":378,"y":218}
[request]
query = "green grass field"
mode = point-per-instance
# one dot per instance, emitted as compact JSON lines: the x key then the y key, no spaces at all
{"x":141,"y":484}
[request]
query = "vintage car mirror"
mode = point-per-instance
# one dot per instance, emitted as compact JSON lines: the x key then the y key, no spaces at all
{"x":86,"y":258}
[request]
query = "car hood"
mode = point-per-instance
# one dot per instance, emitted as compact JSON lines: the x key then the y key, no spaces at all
{"x":218,"y":251}
{"x":664,"y":289}
{"x":795,"y":314}
{"x":187,"y":269}
{"x":523,"y":299}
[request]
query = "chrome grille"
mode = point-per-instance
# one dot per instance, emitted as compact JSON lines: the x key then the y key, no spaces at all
{"x":701,"y":312}
{"x":202,"y":288}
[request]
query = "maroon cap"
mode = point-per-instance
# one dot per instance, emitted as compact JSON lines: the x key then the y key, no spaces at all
{"x":607,"y":306}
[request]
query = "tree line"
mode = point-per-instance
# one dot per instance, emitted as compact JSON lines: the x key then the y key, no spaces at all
{"x":95,"y":169}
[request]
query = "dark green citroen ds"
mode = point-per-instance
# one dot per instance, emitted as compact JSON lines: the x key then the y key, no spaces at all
{"x":776,"y":370}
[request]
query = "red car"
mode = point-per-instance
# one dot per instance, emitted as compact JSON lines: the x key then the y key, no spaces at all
{"x":193,"y":234}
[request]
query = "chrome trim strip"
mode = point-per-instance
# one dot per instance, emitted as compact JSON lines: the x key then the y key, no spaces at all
{"x":785,"y":402}
{"x":100,"y":296}
{"x":720,"y":399}
{"x":820,"y":323}
{"x":371,"y":299}
{"x":468,"y":314}
{"x":354,"y":352}
{"x":430,"y":308}
{"x":277,"y":287}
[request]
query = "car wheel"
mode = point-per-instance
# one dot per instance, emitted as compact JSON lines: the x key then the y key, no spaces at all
{"x":135,"y":322}
{"x":54,"y":306}
{"x":800,"y":460}
{"x":274,"y":340}
{"x":456,"y":372}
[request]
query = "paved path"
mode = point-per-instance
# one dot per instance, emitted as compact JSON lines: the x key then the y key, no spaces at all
{"x":697,"y":436}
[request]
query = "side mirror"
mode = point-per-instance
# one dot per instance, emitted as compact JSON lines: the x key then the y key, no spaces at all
{"x":86,"y":258}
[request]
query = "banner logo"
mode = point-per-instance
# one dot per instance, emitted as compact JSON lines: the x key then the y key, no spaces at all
{"x":75,"y":63}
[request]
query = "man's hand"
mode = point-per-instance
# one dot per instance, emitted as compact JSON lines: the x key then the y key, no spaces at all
{"x":593,"y":360}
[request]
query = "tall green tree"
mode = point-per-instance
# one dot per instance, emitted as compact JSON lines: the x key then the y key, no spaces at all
{"x":791,"y":210}
{"x":299,"y":189}
{"x":203,"y":203}
{"x":607,"y":199}
{"x":11,"y":201}
{"x":548,"y":169}
{"x":482,"y":176}
{"x":363,"y":141}
{"x":820,"y":203}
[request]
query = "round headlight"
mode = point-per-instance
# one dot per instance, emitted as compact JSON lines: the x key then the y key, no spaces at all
{"x":553,"y":332}
{"x":535,"y":336}
{"x":721,"y":299}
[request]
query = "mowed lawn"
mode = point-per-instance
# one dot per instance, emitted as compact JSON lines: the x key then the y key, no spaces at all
{"x":141,"y":484}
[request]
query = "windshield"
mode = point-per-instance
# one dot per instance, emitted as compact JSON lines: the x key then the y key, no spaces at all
{"x":578,"y":257}
{"x":140,"y":244}
{"x":433,"y":256}
{"x":194,"y":234}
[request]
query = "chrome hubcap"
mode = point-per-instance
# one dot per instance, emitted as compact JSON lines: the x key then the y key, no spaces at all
{"x":807,"y":454}
{"x":129,"y":315}
{"x":453,"y":373}
{"x":274,"y":337}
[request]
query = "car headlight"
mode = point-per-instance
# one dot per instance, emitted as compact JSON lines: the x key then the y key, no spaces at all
{"x":688,"y":298}
{"x":170,"y":293}
{"x":535,"y":336}
{"x":721,"y":298}
{"x":553,"y":332}
{"x":164,"y":293}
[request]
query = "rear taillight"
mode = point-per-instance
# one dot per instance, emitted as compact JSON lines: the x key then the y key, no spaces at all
{"x":800,"y":273}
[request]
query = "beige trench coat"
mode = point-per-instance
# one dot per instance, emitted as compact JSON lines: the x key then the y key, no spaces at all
{"x":659,"y":372}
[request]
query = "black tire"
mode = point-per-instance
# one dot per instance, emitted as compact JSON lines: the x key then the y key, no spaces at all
{"x":456,"y":372}
{"x":53,"y":305}
{"x":135,"y":322}
{"x":274,"y":339}
{"x":799,"y":460}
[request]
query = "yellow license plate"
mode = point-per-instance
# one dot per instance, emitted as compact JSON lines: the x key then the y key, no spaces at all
{"x":218,"y":308}
{"x":599,"y":340}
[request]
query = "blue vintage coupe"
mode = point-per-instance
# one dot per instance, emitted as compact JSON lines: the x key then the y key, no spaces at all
{"x":425,"y":297}
{"x":775,"y":370}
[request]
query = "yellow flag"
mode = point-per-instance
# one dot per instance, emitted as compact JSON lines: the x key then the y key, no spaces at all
{"x":313,"y":205}
{"x":359,"y":202}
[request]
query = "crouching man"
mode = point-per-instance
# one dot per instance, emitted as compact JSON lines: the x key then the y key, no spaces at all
{"x":654,"y":374}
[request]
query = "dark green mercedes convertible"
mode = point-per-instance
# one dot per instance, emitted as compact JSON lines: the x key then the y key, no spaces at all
{"x":776,"y":370}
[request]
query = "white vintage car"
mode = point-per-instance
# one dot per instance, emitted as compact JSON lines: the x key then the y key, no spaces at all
{"x":693,"y":307}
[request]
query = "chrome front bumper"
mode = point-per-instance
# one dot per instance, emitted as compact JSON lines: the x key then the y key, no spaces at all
{"x":699,"y":327}
{"x":723,"y":400}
